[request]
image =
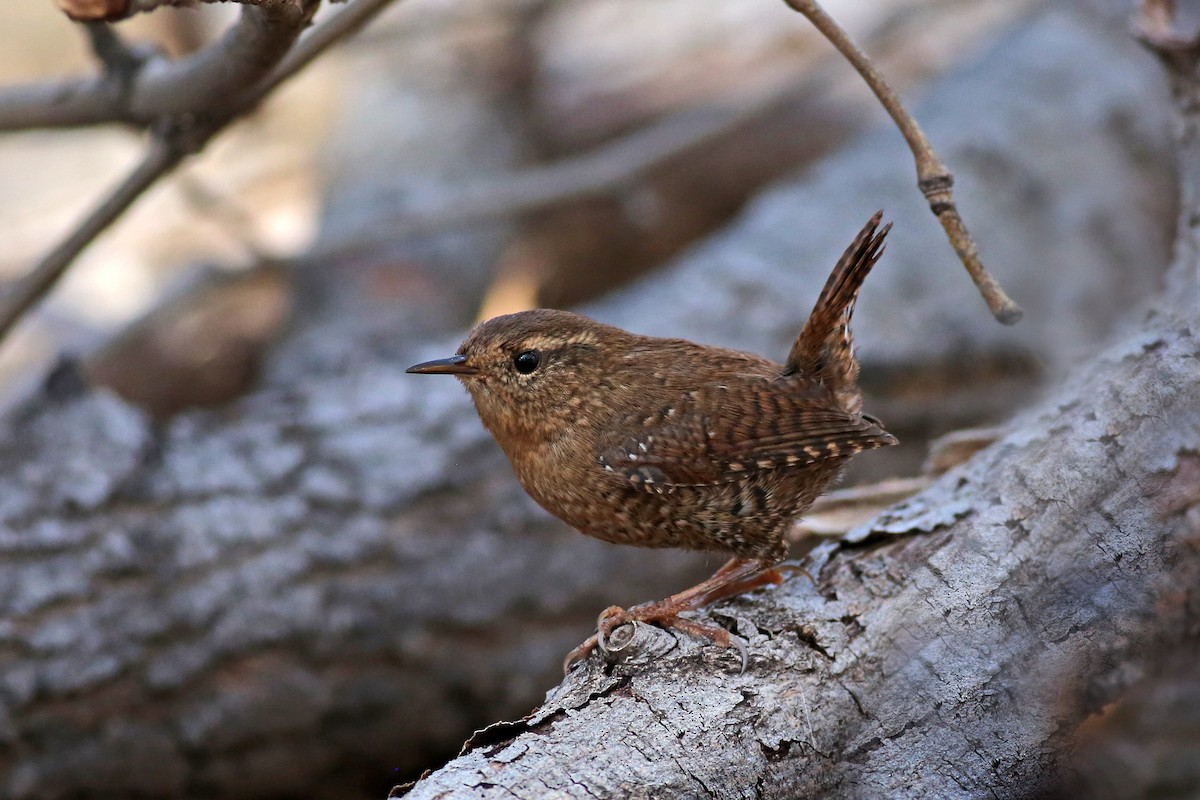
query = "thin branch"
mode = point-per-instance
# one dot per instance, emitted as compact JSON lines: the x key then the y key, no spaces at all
{"x":161,"y":158}
{"x":257,"y":46}
{"x":934,"y":180}
{"x":112,"y":51}
{"x":78,"y":101}
{"x":341,"y":26}
{"x":258,"y":41}
{"x":63,"y":104}
{"x":210,"y":80}
{"x":205,"y":82}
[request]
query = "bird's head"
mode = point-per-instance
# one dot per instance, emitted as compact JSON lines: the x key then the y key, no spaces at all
{"x":533,"y":373}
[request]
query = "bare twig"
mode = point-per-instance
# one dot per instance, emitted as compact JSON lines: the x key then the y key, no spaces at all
{"x":25,"y":293}
{"x":206,"y":82}
{"x":253,"y":47}
{"x":253,"y":54}
{"x":63,"y":104}
{"x":112,"y":51}
{"x":210,"y":81}
{"x":341,"y":26}
{"x":934,"y":180}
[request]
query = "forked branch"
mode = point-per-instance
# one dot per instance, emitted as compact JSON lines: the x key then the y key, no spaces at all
{"x":257,"y":53}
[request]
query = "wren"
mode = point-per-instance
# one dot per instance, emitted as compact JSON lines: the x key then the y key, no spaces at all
{"x":666,"y":443}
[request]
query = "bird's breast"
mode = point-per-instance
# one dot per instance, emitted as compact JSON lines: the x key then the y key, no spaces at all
{"x":563,"y":475}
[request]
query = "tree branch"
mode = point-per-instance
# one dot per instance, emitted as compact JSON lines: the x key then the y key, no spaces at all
{"x":253,"y":46}
{"x":164,"y":154}
{"x":252,"y":54}
{"x":933,"y":178}
{"x":211,"y":81}
{"x":204,"y":82}
{"x":341,"y":26}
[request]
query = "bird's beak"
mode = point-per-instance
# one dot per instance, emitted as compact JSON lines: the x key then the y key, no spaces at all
{"x":454,"y":365}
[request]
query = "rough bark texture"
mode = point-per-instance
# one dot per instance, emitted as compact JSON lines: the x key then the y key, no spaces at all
{"x":337,"y":577}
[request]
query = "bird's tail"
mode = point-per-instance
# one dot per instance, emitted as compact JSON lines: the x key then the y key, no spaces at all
{"x":825,"y":349}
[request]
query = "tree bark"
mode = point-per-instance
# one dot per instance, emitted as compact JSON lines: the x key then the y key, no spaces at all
{"x":330,"y":582}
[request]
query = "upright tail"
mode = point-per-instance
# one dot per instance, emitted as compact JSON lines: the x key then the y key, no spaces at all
{"x":825,"y":349}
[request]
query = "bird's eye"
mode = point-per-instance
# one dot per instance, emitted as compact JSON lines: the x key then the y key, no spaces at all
{"x":527,"y":361}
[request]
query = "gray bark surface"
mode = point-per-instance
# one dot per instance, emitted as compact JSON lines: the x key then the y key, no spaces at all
{"x":334,"y":579}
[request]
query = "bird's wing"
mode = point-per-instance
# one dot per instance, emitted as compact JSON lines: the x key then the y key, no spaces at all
{"x":728,"y":432}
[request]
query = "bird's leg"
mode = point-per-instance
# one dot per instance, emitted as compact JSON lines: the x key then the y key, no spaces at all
{"x":775,"y":575}
{"x":737,"y":576}
{"x":735,"y":585}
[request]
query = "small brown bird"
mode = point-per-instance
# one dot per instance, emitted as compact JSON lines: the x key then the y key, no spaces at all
{"x":666,"y":443}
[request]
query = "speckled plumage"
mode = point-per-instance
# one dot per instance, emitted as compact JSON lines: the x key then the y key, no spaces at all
{"x":666,"y":443}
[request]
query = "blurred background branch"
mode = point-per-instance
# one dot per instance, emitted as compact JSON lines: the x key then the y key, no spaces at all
{"x":184,"y":102}
{"x":143,"y":92}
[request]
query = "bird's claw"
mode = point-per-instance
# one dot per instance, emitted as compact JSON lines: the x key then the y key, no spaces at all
{"x":718,"y":636}
{"x":609,"y":620}
{"x":614,"y":617}
{"x":577,"y":655}
{"x":794,"y":569}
